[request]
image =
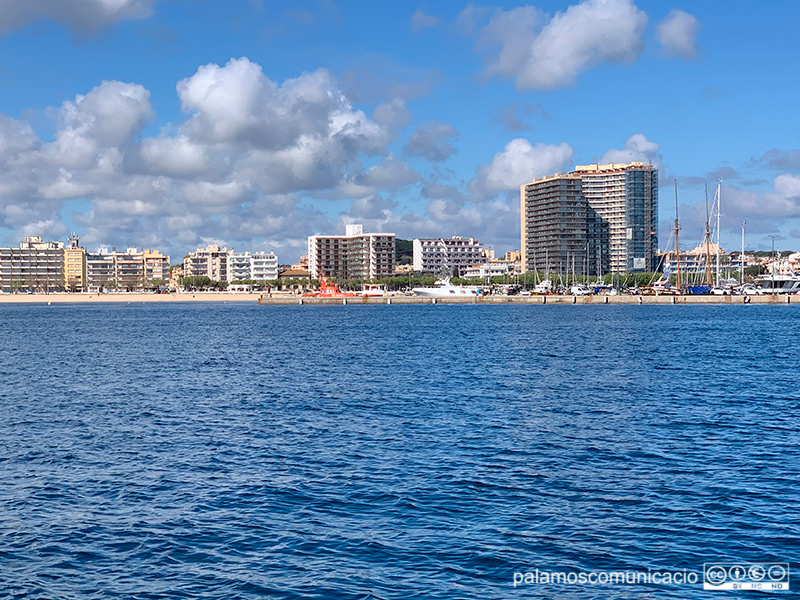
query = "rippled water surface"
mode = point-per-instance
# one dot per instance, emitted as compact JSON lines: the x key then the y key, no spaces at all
{"x":228,"y":451}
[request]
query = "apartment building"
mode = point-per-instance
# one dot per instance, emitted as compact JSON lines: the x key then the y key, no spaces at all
{"x":211,"y":262}
{"x":263,"y":266}
{"x":36,"y":266}
{"x":447,"y":256}
{"x":135,"y":269}
{"x":223,"y":264}
{"x":74,"y":265}
{"x":594,"y":220}
{"x":99,"y":271}
{"x":355,"y":255}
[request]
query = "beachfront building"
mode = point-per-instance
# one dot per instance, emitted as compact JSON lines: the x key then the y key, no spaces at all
{"x":263,"y":266}
{"x":223,"y":264}
{"x":156,"y":266}
{"x":137,"y":270}
{"x":252,"y":266}
{"x":99,"y":271}
{"x":447,"y":256}
{"x":128,"y":270}
{"x":211,"y":262}
{"x":36,"y":266}
{"x":355,"y":255}
{"x":595,"y":219}
{"x":74,"y":265}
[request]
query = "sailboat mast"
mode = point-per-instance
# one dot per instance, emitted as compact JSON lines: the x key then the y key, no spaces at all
{"x":708,"y":244}
{"x":719,"y":210}
{"x":741,"y":258}
{"x":677,"y":246}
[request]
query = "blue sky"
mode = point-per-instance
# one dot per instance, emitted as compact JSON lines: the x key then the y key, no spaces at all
{"x":177,"y":123}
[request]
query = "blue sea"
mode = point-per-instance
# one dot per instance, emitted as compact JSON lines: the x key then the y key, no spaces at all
{"x":230,"y":451}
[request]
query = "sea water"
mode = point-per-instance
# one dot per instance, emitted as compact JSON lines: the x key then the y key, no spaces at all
{"x":234,"y":451}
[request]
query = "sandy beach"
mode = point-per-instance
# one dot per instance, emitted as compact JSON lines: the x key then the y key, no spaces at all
{"x":131,"y":298}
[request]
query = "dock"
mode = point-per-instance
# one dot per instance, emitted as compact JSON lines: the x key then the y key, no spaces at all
{"x":289,"y":299}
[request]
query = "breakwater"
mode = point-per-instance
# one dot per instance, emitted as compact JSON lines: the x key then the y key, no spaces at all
{"x":284,"y":299}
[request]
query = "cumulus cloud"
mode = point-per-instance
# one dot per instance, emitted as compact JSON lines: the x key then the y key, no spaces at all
{"x":539,"y":52}
{"x":244,"y":161}
{"x":636,"y":148}
{"x":421,"y":20}
{"x":80,"y":17}
{"x":432,"y":141}
{"x":519,"y":163}
{"x":678,"y":34}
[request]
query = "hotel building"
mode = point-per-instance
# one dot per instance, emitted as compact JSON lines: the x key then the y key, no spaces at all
{"x":595,"y":220}
{"x":445,"y":256}
{"x":355,"y":255}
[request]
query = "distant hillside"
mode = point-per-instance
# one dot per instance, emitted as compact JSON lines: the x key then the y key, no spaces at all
{"x":403,"y":251}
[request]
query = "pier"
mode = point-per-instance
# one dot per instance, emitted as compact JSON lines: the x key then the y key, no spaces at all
{"x":287,"y":299}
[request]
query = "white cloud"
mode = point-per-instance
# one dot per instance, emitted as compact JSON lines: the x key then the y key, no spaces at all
{"x":678,"y":34}
{"x":178,"y":156}
{"x":519,"y":163}
{"x":636,"y":148}
{"x":81,"y":17}
{"x":16,"y":138}
{"x":544,"y":54}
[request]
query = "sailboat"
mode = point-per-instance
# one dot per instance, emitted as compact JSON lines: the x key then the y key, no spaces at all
{"x":700,"y":288}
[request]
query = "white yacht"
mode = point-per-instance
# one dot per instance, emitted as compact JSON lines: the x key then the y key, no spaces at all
{"x":444,"y":289}
{"x":543,"y":287}
{"x":778,"y":284}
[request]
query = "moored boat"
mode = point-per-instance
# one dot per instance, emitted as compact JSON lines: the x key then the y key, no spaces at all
{"x":444,"y":289}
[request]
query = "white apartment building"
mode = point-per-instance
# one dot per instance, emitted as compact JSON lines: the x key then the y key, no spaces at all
{"x":255,"y":266}
{"x":355,"y":255}
{"x":263,"y":266}
{"x":446,"y":255}
{"x":222,"y":264}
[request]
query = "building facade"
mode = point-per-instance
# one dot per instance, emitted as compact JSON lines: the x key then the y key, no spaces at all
{"x":595,"y":220}
{"x":211,"y":262}
{"x":99,"y":272}
{"x":447,"y":256}
{"x":136,"y":270}
{"x":252,"y":266}
{"x":263,"y":266}
{"x":74,"y":265}
{"x":36,"y":266}
{"x":355,"y":255}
